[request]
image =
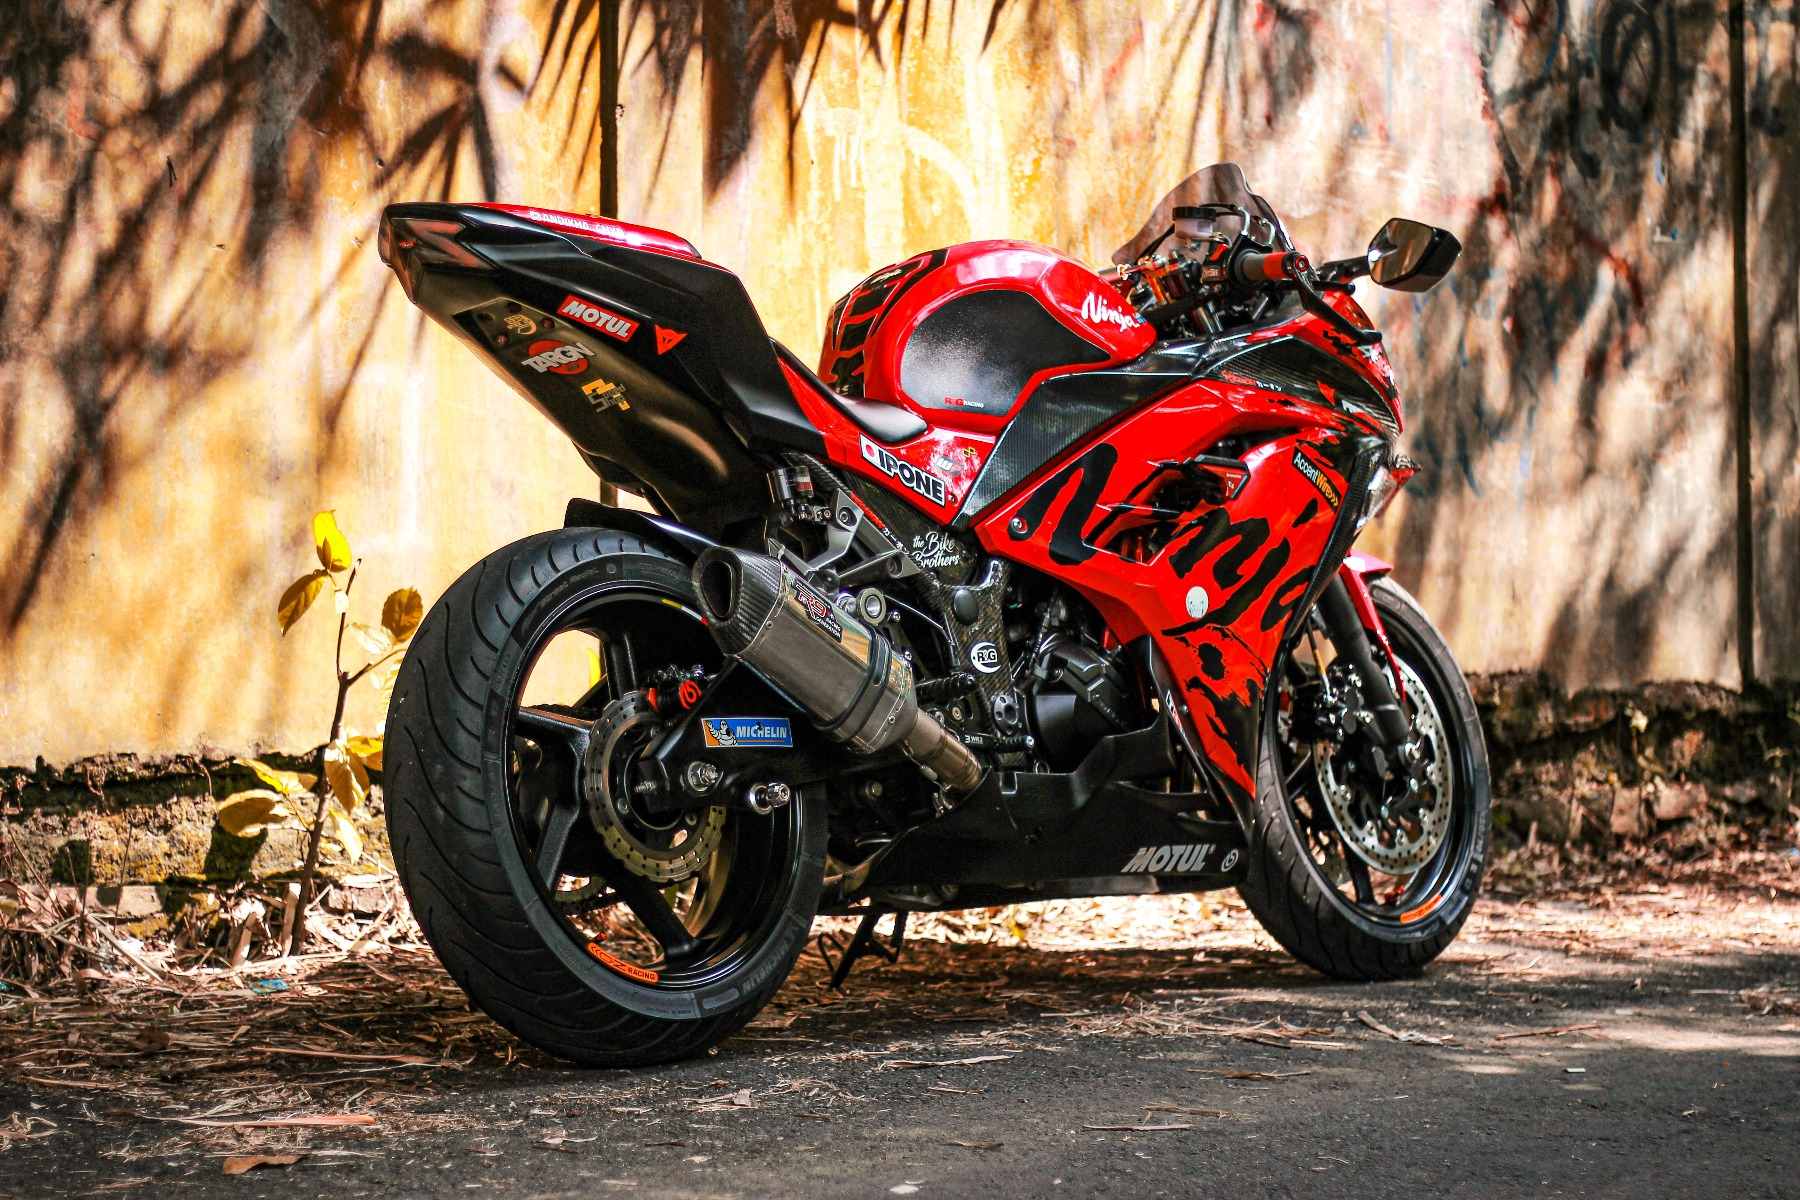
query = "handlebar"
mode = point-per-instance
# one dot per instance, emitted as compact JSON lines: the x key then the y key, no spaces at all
{"x":1290,"y":266}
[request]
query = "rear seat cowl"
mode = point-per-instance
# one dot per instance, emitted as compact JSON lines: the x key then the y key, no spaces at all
{"x":601,"y":229}
{"x":887,"y":423}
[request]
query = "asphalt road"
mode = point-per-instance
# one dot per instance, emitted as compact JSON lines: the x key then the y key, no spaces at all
{"x":1254,"y":1077}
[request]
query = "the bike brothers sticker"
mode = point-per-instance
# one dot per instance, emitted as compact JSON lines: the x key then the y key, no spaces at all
{"x":747,"y":733}
{"x":592,"y":315}
{"x":917,"y":478}
{"x":564,"y":358}
{"x":1304,"y":464}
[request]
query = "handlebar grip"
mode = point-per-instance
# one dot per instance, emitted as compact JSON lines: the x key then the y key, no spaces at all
{"x":1269,"y":268}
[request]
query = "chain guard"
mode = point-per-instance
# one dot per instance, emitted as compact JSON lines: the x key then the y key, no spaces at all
{"x":660,"y":853}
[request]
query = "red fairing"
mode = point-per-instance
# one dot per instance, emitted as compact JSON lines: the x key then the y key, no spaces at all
{"x":954,"y":456}
{"x":602,"y":229}
{"x":961,"y":336}
{"x":1213,"y":589}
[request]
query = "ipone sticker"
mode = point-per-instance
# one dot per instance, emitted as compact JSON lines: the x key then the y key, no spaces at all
{"x":747,"y":733}
{"x":563,"y":358}
{"x":917,"y":478}
{"x":592,"y":315}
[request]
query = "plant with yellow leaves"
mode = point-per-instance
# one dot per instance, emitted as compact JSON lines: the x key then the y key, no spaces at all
{"x":344,"y":761}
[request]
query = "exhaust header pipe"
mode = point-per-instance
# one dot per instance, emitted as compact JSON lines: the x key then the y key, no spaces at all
{"x":845,"y":675}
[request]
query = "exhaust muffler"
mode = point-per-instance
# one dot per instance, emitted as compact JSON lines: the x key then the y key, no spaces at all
{"x":845,"y":675}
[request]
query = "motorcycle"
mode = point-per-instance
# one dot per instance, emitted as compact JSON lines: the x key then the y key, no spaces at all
{"x":1042,"y":586}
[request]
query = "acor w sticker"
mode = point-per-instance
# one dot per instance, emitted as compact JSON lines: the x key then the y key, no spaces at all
{"x":917,"y":478}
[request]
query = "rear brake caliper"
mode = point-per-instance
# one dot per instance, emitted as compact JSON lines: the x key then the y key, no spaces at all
{"x":663,"y":848}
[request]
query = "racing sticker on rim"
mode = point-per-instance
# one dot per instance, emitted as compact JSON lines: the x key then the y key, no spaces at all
{"x":745,"y":733}
{"x":564,"y":358}
{"x":620,"y":965}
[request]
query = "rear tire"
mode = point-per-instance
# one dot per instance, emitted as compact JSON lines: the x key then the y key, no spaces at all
{"x":1290,"y":887}
{"x":463,"y":850}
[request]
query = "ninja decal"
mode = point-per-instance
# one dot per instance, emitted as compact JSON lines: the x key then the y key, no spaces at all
{"x":1067,"y":546}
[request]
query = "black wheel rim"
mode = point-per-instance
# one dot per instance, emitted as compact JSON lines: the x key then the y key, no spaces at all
{"x":1394,"y":901}
{"x":690,"y":933}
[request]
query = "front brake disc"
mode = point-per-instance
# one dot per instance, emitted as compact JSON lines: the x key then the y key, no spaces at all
{"x":661,"y":850}
{"x":1397,"y":844}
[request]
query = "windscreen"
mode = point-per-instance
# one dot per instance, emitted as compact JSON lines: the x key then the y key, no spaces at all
{"x":1221,"y":183}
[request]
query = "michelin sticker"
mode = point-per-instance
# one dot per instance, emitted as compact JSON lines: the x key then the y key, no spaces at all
{"x":747,"y":733}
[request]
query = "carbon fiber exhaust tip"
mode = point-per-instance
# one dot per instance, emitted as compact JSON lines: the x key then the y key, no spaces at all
{"x":844,"y":674}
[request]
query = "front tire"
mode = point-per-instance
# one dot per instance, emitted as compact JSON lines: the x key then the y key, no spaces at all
{"x":1344,"y":891}
{"x":471,"y":802}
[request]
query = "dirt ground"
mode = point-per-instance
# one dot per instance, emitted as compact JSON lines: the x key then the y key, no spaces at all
{"x":1612,"y":1034}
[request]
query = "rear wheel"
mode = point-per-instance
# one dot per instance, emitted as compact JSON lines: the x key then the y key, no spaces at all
{"x":594,"y":931}
{"x":1365,"y":867}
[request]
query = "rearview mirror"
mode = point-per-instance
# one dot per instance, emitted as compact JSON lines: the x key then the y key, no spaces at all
{"x":1410,"y":256}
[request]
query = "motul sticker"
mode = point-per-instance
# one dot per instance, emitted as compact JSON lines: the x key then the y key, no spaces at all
{"x":1095,"y":308}
{"x":620,"y":965}
{"x":564,"y":358}
{"x":746,"y":733}
{"x":592,"y":315}
{"x":1316,"y":475}
{"x":667,"y":338}
{"x":917,"y":478}
{"x":1169,"y":860}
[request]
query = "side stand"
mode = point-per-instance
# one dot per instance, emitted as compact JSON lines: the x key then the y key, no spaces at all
{"x":866,"y":945}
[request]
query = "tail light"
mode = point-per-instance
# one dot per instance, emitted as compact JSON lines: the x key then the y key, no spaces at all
{"x":407,"y":244}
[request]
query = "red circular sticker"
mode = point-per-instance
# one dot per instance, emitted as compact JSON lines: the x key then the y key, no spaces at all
{"x":560,"y":357}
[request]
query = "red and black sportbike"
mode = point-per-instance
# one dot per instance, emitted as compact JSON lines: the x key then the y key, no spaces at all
{"x":1041,"y":587}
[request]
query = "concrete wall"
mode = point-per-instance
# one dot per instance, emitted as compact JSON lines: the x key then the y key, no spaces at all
{"x":198,"y":347}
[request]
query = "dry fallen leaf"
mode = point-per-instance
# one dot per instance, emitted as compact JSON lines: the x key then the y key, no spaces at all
{"x":237,"y":1164}
{"x":1135,"y":1128}
{"x":975,"y":1145}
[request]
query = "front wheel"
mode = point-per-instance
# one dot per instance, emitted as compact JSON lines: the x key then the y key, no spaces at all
{"x":597,"y":932}
{"x":1367,"y":861}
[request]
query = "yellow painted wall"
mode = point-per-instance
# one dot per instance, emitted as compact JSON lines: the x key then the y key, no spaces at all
{"x":198,"y":346}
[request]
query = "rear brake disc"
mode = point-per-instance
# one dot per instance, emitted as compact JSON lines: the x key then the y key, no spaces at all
{"x":661,"y":850}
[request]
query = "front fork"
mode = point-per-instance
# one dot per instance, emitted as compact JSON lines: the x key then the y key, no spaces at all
{"x":1348,"y":610}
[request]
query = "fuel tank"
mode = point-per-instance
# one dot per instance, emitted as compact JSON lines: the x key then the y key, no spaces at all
{"x":961,"y":336}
